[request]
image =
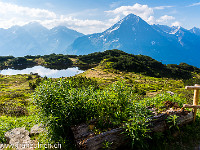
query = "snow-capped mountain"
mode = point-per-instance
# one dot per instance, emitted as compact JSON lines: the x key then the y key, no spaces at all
{"x":34,"y":39}
{"x":195,"y":31}
{"x":134,"y":35}
{"x":131,"y":34}
{"x":185,"y":38}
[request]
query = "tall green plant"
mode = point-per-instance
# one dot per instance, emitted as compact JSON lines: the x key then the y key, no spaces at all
{"x":63,"y":104}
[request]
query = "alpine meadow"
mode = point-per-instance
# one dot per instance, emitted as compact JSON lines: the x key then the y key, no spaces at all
{"x":114,"y":75}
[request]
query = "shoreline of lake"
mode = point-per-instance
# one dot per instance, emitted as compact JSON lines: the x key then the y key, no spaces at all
{"x":42,"y":71}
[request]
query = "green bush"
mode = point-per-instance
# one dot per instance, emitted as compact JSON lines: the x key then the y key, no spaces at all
{"x":158,"y":100}
{"x":58,"y":61}
{"x":63,"y":104}
{"x":68,"y":102}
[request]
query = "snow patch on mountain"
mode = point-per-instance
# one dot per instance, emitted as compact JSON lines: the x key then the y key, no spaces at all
{"x":174,"y":30}
{"x":109,"y":31}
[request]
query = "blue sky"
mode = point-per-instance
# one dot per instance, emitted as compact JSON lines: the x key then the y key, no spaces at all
{"x":91,"y":16}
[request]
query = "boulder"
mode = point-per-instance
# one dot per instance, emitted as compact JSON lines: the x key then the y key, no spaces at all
{"x":37,"y":129}
{"x":170,"y":92}
{"x":19,"y":138}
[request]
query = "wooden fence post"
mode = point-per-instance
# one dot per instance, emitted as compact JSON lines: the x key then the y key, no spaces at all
{"x":196,"y":89}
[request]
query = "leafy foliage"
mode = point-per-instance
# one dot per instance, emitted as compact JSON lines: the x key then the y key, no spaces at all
{"x":158,"y":100}
{"x":5,"y":58}
{"x":63,"y":104}
{"x":14,"y":94}
{"x":60,"y":61}
{"x":97,"y":57}
{"x":67,"y":102}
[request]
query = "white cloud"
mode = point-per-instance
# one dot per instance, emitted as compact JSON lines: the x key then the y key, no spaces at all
{"x":151,"y":20}
{"x":84,"y":26}
{"x":11,"y":14}
{"x":7,"y":9}
{"x":140,"y":10}
{"x":162,"y":7}
{"x":114,"y":20}
{"x":194,"y":4}
{"x":12,"y":21}
{"x":143,"y":11}
{"x":176,"y":23}
{"x":165,"y":19}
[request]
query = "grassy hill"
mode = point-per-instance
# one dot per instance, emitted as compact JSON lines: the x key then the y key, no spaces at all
{"x":119,"y":87}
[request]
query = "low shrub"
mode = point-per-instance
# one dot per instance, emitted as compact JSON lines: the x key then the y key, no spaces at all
{"x":64,"y":103}
{"x":159,"y":100}
{"x":75,"y":100}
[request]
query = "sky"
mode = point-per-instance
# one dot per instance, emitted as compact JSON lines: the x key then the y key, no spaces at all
{"x":93,"y":16}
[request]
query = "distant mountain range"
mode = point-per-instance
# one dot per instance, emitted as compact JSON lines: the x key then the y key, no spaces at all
{"x":134,"y":35}
{"x":34,"y":39}
{"x":131,"y":34}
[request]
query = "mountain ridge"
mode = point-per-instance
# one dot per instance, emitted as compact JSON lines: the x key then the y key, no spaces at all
{"x":133,"y":35}
{"x":35,"y":39}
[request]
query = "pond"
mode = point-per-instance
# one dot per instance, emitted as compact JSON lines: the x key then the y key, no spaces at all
{"x":42,"y":71}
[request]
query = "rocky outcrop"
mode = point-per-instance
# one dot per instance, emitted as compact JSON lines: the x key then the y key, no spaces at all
{"x":19,"y":138}
{"x":37,"y":129}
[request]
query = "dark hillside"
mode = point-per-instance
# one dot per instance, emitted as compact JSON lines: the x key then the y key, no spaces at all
{"x":146,"y":65}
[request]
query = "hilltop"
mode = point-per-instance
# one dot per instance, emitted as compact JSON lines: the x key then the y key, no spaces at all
{"x":115,"y":92}
{"x":119,"y":60}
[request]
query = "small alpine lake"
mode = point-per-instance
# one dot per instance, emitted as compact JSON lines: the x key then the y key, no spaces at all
{"x":42,"y":71}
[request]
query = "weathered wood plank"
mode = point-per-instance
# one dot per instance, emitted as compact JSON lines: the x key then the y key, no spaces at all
{"x":192,"y":87}
{"x":86,"y":140}
{"x":191,"y":106}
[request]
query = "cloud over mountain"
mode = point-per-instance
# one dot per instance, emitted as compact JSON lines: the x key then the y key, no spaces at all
{"x":13,"y":14}
{"x":143,"y":11}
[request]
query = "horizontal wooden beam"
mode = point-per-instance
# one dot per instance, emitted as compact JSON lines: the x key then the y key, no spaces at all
{"x":192,"y":87}
{"x":191,"y":106}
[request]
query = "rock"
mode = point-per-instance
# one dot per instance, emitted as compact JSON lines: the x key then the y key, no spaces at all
{"x":81,"y":131}
{"x":19,"y":138}
{"x":37,"y":129}
{"x":170,"y":92}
